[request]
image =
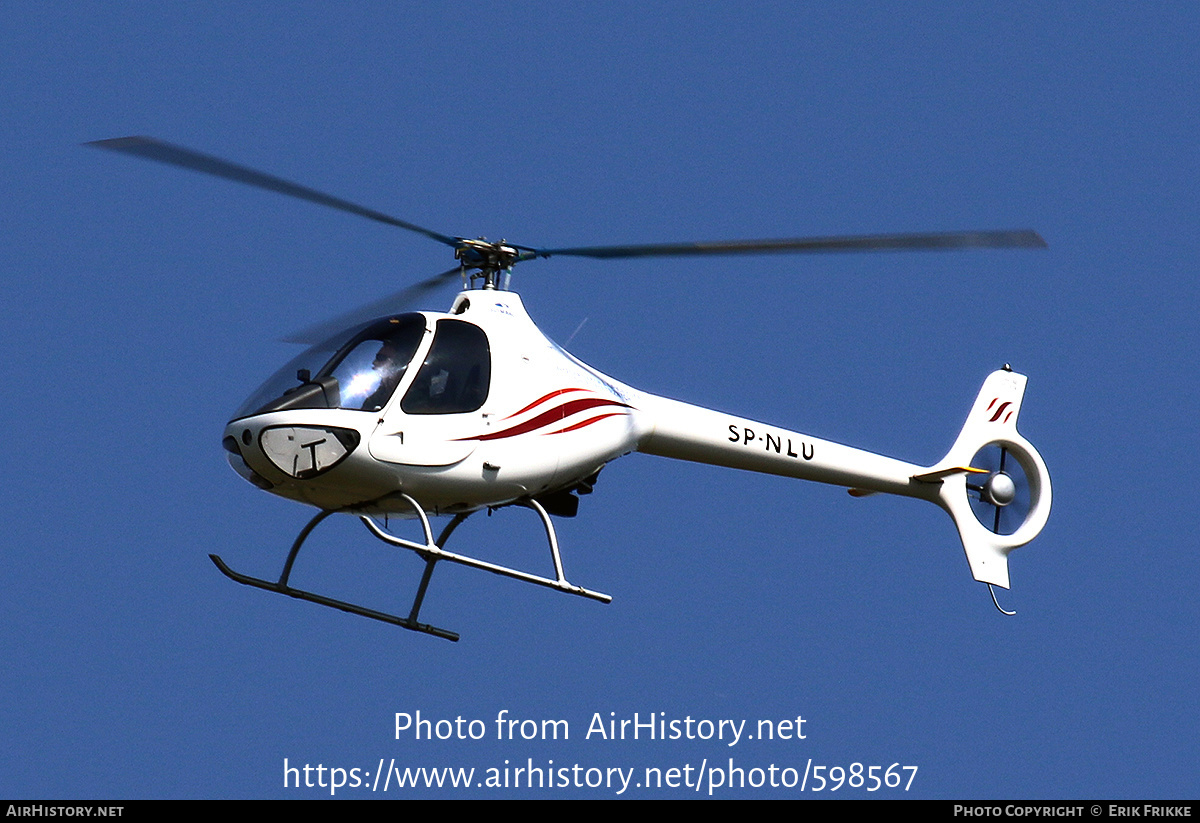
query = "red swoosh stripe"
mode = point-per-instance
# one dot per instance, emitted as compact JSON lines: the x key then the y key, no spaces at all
{"x":541,"y":400}
{"x":587,"y":422}
{"x":552,"y":416}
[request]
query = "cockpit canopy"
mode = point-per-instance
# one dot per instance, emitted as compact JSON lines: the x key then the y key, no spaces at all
{"x":360,"y":369}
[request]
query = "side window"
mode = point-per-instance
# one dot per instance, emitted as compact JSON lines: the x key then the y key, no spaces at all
{"x":456,"y":374}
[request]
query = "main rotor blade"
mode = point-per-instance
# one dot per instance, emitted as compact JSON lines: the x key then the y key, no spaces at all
{"x":392,"y":304}
{"x":152,"y":149}
{"x":1024,"y":238}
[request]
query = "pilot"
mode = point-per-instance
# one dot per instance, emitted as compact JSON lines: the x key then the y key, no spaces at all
{"x":390,"y":373}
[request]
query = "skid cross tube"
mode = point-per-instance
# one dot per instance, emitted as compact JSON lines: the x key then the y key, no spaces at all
{"x":433,"y":552}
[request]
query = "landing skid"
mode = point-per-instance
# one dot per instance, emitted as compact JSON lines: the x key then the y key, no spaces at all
{"x":431,"y":551}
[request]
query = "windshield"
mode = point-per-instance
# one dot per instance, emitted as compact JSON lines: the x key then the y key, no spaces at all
{"x":357,"y":369}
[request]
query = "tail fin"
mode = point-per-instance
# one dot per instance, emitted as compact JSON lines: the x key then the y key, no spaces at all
{"x":991,"y":475}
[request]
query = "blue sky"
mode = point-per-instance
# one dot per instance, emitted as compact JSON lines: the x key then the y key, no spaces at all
{"x":142,"y":304}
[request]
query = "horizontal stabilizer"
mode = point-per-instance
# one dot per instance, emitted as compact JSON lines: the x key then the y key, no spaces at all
{"x":942,"y":474}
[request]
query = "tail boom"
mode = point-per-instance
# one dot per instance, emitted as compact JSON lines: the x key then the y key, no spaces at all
{"x":686,"y":432}
{"x":700,"y":435}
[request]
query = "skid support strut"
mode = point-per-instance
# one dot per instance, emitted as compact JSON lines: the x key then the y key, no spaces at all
{"x":431,"y":551}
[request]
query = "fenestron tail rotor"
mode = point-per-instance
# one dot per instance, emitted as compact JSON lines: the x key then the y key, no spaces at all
{"x":1000,"y":498}
{"x":993,"y":482}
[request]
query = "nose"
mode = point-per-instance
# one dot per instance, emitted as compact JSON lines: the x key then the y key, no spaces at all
{"x":301,"y":451}
{"x":238,"y":463}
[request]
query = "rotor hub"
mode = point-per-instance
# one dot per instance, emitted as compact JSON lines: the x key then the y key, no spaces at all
{"x":488,"y":257}
{"x":1000,"y":490}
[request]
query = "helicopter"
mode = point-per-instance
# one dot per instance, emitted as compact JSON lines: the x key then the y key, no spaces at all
{"x":412,"y":414}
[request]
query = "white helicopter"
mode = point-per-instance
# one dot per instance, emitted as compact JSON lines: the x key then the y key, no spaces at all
{"x":415,"y":414}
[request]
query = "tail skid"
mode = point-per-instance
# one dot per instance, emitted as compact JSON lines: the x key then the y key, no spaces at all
{"x":1019,"y":480}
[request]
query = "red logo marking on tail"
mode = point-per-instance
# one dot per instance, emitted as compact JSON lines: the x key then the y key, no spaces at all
{"x":1000,"y":411}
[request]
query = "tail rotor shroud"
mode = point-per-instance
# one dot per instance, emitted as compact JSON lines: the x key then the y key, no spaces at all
{"x":993,"y":482}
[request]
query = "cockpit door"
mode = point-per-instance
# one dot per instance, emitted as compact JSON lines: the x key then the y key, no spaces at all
{"x":441,"y":414}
